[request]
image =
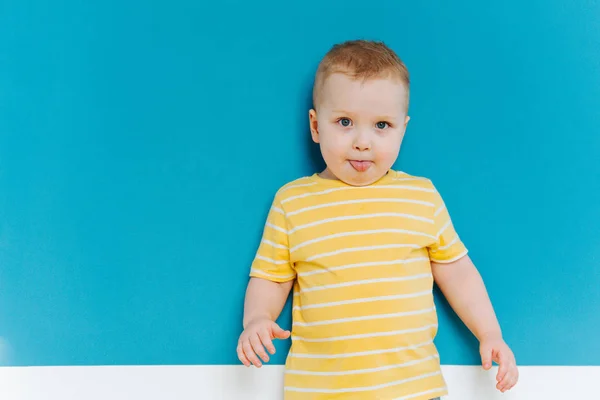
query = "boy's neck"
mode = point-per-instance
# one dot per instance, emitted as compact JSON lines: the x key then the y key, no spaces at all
{"x":327,"y":174}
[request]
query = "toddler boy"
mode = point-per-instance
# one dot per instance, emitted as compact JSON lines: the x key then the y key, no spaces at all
{"x":362,"y":245}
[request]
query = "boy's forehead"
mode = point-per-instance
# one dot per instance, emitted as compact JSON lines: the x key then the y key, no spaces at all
{"x":341,"y":92}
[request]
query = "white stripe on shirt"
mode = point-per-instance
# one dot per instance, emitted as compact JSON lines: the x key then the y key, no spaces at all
{"x":363,"y":282}
{"x":359,"y":201}
{"x":362,"y":300}
{"x":384,"y":187}
{"x":361,"y":371}
{"x":358,"y":265}
{"x":438,"y":211}
{"x":458,"y":257}
{"x":270,"y":225}
{"x":271,"y":261}
{"x":356,"y":233}
{"x":266,"y":274}
{"x":363,"y":388}
{"x":364,"y":335}
{"x":360,"y":353}
{"x":446,"y":225}
{"x":430,"y":392}
{"x":365,"y":317}
{"x":277,"y":209}
{"x":273,"y":244}
{"x":364,"y":216}
{"x":296,"y":186}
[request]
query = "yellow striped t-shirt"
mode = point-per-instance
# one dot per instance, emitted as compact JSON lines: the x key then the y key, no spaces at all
{"x":363,"y":313}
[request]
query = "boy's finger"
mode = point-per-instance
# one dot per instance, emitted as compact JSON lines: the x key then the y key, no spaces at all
{"x":265,"y":338}
{"x":502,"y":370}
{"x":250,"y":354}
{"x":511,"y":378}
{"x":242,"y":356}
{"x":502,"y":383}
{"x":280,"y":333}
{"x":486,"y":358}
{"x":258,"y":348}
{"x":506,"y":383}
{"x":504,"y":366}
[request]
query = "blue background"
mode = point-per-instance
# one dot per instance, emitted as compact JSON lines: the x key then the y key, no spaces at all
{"x":141,"y":143}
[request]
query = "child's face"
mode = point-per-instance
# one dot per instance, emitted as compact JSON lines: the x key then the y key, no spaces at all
{"x":359,"y":126}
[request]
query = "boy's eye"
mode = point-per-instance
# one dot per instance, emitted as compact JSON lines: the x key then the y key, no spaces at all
{"x":344,"y":122}
{"x":382,"y":125}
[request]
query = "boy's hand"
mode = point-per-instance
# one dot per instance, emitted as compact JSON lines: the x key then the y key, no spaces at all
{"x":257,"y":334}
{"x":495,"y":349}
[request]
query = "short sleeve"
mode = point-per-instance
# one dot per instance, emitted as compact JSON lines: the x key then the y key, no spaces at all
{"x":272,"y":260}
{"x":448,"y":246}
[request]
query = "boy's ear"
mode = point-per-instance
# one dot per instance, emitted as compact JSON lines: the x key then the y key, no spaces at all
{"x":406,"y":119}
{"x":314,"y":125}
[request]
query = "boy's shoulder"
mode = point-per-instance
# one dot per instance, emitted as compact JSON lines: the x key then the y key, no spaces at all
{"x":297,"y":187}
{"x":420,"y":183}
{"x":404,"y":178}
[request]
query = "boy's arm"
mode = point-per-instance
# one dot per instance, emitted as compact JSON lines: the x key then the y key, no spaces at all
{"x":265,"y":299}
{"x":463,"y":287}
{"x":272,"y":277}
{"x":461,"y":284}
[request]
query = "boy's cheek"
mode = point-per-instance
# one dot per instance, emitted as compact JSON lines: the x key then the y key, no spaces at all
{"x":333,"y":145}
{"x":389,"y":153}
{"x":331,"y":156}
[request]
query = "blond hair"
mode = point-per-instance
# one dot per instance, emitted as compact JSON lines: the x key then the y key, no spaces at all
{"x":361,"y":59}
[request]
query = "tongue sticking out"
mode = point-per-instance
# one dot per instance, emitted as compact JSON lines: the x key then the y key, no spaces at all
{"x":360,"y":166}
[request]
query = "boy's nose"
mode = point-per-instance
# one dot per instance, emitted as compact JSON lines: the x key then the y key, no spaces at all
{"x":362,"y":143}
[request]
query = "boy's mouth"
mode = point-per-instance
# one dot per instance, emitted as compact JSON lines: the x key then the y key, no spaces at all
{"x":360,"y":165}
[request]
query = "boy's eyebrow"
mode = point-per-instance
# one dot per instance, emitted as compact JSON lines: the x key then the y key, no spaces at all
{"x":340,"y":112}
{"x":386,"y":118}
{"x":381,"y":117}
